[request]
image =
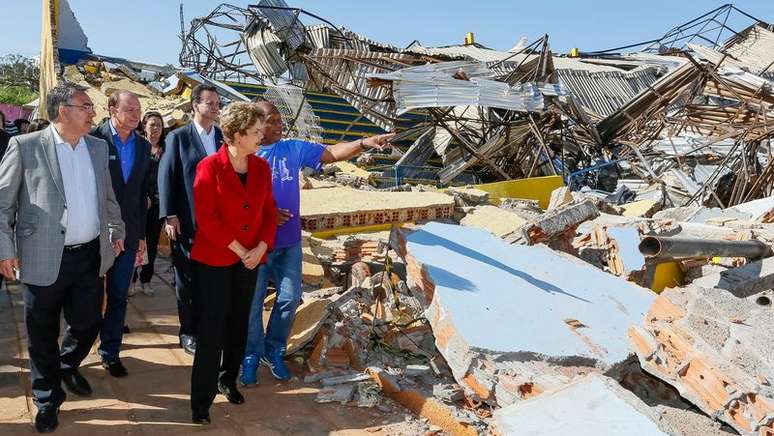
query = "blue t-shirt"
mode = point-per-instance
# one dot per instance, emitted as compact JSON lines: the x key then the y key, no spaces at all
{"x":286,"y":158}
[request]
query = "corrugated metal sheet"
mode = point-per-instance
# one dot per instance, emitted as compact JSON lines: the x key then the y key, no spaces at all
{"x":755,"y":51}
{"x":263,"y":46}
{"x":319,"y":36}
{"x":606,"y":92}
{"x":433,"y":86}
{"x":347,"y":77}
{"x":284,"y":22}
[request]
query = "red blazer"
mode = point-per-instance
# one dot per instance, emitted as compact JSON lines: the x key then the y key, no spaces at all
{"x":226,"y":210}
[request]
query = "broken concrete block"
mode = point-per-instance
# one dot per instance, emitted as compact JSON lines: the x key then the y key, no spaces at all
{"x":753,"y":278}
{"x":560,"y":197}
{"x":595,"y":405}
{"x":469,"y":196}
{"x":340,"y":208}
{"x":499,"y":222}
{"x":312,"y":272}
{"x":416,"y":370}
{"x":347,"y":378}
{"x":557,"y":222}
{"x":345,"y":168}
{"x":338,"y":394}
{"x":761,"y":210}
{"x":315,"y":377}
{"x":642,"y":208}
{"x":310,"y":316}
{"x":448,"y":393}
{"x":715,"y":349}
{"x":512,"y":321}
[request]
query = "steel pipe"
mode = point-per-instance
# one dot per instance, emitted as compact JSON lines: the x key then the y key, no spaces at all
{"x":685,"y":248}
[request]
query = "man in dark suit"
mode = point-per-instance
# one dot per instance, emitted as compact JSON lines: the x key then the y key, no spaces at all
{"x":4,"y":136}
{"x":129,"y":164}
{"x":184,"y":148}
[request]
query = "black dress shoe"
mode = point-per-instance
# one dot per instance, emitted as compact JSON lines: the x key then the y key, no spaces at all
{"x":76,"y":383}
{"x":232,"y":394}
{"x":46,"y":420}
{"x":115,"y":368}
{"x":202,"y":418}
{"x":188,"y":343}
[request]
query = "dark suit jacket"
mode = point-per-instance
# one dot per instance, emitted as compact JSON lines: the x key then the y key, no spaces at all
{"x":133,"y":195}
{"x":182,"y":153}
{"x":4,"y":138}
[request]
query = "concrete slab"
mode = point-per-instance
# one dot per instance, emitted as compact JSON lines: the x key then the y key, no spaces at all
{"x":504,"y":315}
{"x":499,"y":222}
{"x":715,"y":349}
{"x":593,"y":406}
{"x":760,"y":210}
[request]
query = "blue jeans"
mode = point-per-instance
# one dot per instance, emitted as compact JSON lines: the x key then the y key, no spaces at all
{"x":118,"y":279}
{"x":283,"y":266}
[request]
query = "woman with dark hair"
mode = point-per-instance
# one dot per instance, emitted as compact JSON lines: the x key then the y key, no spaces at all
{"x":151,"y":128}
{"x":236,"y":220}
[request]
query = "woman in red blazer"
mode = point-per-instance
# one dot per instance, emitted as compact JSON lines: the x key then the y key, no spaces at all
{"x":236,"y":221}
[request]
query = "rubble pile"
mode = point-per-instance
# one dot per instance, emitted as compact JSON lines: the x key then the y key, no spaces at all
{"x":511,"y":319}
{"x":104,"y":78}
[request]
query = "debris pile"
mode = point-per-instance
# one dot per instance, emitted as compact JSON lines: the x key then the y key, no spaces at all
{"x":635,"y":298}
{"x":500,"y":312}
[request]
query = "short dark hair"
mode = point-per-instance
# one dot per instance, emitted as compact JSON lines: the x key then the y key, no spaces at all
{"x":59,"y":95}
{"x":19,"y":121}
{"x":115,"y":97}
{"x":196,"y":93}
{"x":38,"y":124}
{"x":2,"y":115}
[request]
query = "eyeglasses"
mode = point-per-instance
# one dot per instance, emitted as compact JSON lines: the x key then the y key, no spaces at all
{"x":88,"y":107}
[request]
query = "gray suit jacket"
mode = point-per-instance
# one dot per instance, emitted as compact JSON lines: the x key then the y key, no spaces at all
{"x":32,"y":206}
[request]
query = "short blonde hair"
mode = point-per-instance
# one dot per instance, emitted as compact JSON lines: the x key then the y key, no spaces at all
{"x":238,"y":117}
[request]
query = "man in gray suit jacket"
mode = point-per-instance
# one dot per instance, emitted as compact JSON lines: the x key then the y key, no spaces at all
{"x":60,"y":229}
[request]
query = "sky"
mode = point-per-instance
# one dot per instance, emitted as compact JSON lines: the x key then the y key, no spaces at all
{"x":147,"y":30}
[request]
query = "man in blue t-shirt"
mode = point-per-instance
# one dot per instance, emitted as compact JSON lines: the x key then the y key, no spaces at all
{"x":287,"y":157}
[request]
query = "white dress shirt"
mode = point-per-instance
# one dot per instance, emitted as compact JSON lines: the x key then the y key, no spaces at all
{"x":80,"y":188}
{"x":208,"y":139}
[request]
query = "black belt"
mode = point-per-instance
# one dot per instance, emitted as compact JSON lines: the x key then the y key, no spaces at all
{"x":78,"y":247}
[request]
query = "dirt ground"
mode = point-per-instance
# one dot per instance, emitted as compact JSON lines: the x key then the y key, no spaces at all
{"x":153,"y":399}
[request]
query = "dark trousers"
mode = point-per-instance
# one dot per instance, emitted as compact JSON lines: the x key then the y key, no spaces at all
{"x":223,"y":297}
{"x":119,"y":278}
{"x":78,"y":291}
{"x":152,"y":233}
{"x":181,"y":260}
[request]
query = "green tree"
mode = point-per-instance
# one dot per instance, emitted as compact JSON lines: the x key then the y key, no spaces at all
{"x":18,"y":70}
{"x":19,"y":77}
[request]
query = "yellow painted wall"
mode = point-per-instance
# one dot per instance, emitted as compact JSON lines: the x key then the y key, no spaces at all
{"x":667,"y":275}
{"x":535,"y":188}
